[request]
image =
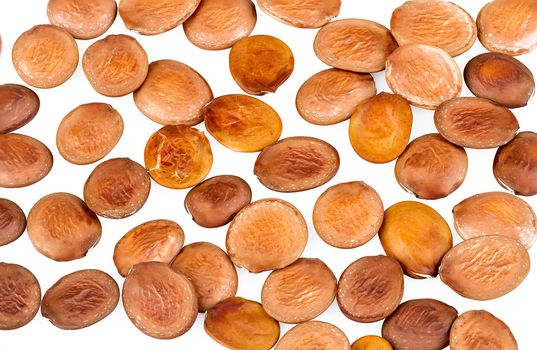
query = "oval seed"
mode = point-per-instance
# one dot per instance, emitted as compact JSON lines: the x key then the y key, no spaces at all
{"x":296,"y":13}
{"x":314,"y":335}
{"x":18,"y":106}
{"x":12,"y":221}
{"x":371,"y":342}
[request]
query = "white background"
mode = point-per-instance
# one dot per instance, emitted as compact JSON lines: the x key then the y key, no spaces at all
{"x":516,"y":309}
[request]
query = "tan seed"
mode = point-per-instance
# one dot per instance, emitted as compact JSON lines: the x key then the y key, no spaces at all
{"x":314,"y":335}
{"x":301,"y":14}
{"x":12,"y":221}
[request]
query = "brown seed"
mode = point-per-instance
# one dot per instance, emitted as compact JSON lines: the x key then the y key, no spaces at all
{"x":485,"y":268}
{"x":20,"y":296}
{"x":417,"y":236}
{"x":242,"y":123}
{"x":18,"y":106}
{"x":435,"y":23}
{"x":218,"y":24}
{"x":371,"y":342}
{"x":515,"y":164}
{"x":424,"y":75}
{"x":80,"y":299}
{"x":370,"y":288}
{"x":211,"y":272}
{"x":380,"y":127}
{"x":500,"y":78}
{"x":297,"y":163}
{"x":301,"y":14}
{"x":215,"y":201}
{"x":431,"y":167}
{"x":173,"y":94}
{"x":480,"y":330}
{"x":268,"y":234}
{"x":357,"y":45}
{"x":330,"y":96}
{"x":83,"y":19}
{"x":419,"y":324}
{"x":157,"y":240}
{"x":314,"y":335}
{"x":45,"y":56}
{"x":178,"y":156}
{"x":159,"y":301}
{"x":62,"y":227}
{"x":116,"y":65}
{"x":23,"y":160}
{"x":88,"y":133}
{"x":260,"y":63}
{"x":12,"y":221}
{"x":348,"y":215}
{"x":238,"y":323}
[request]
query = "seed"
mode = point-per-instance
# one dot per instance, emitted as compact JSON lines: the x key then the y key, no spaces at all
{"x":116,"y":65}
{"x":424,"y":75}
{"x":431,"y":167}
{"x":348,"y":215}
{"x":18,"y":106}
{"x":20,"y":296}
{"x":218,"y":24}
{"x":157,"y":240}
{"x":211,"y":272}
{"x":88,"y":133}
{"x":297,"y":164}
{"x":260,"y":63}
{"x":62,"y":227}
{"x":178,"y":156}
{"x":371,"y":342}
{"x":268,"y":234}
{"x":159,"y":301}
{"x":314,"y":335}
{"x":215,"y":201}
{"x":296,"y":13}
{"x":12,"y":221}
{"x":80,"y":299}
{"x":485,"y":268}
{"x":173,"y":94}
{"x":45,"y":56}
{"x":380,"y":127}
{"x":238,"y":323}
{"x":330,"y":96}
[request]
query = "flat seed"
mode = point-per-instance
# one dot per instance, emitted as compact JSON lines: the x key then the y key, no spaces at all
{"x":371,"y":342}
{"x":18,"y":106}
{"x":301,"y":14}
{"x":12,"y":221}
{"x":314,"y":335}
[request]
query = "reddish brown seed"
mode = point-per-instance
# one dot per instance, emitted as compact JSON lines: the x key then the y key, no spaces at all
{"x":18,"y":106}
{"x":23,"y":160}
{"x":218,"y":24}
{"x":424,"y":75}
{"x":80,"y":299}
{"x":500,"y":78}
{"x":62,"y":227}
{"x":88,"y":133}
{"x":301,"y":14}
{"x":160,"y":302}
{"x":260,"y":63}
{"x":211,"y":272}
{"x":419,"y":324}
{"x":357,"y":45}
{"x":173,"y":94}
{"x":81,"y":18}
{"x":431,"y":167}
{"x":45,"y":56}
{"x":314,"y":335}
{"x":157,"y":240}
{"x":215,"y":201}
{"x":330,"y":96}
{"x":515,"y":164}
{"x":116,"y":65}
{"x":485,"y":268}
{"x":297,"y":163}
{"x":371,"y":342}
{"x":20,"y":296}
{"x":12,"y":221}
{"x":268,"y":234}
{"x":238,"y":323}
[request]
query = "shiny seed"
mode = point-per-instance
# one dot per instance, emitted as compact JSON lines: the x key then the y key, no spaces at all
{"x":296,"y":13}
{"x":314,"y":335}
{"x":18,"y":106}
{"x":12,"y":221}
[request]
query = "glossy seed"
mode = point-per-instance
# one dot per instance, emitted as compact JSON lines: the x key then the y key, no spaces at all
{"x":18,"y":106}
{"x":314,"y":335}
{"x":12,"y":221}
{"x":371,"y":342}
{"x":301,"y":14}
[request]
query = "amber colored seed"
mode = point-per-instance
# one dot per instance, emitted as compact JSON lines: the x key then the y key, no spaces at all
{"x":260,"y":63}
{"x":297,"y":13}
{"x":18,"y":106}
{"x":314,"y":335}
{"x":371,"y":342}
{"x":80,"y":299}
{"x":211,"y":272}
{"x":12,"y":221}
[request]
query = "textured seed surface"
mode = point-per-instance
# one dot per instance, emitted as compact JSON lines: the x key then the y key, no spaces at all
{"x":242,"y":123}
{"x":300,"y":13}
{"x":314,"y":335}
{"x":157,"y":240}
{"x":267,"y":234}
{"x":80,"y":299}
{"x":12,"y":221}
{"x":297,"y":163}
{"x":211,"y":272}
{"x":371,"y":342}
{"x":18,"y":106}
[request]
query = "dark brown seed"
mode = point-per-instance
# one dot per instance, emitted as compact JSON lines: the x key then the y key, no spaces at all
{"x":297,"y":164}
{"x":117,"y":188}
{"x":20,"y":296}
{"x":314,"y":335}
{"x":12,"y":221}
{"x":18,"y":106}
{"x":80,"y":299}
{"x":301,"y":14}
{"x":371,"y":342}
{"x":215,"y":201}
